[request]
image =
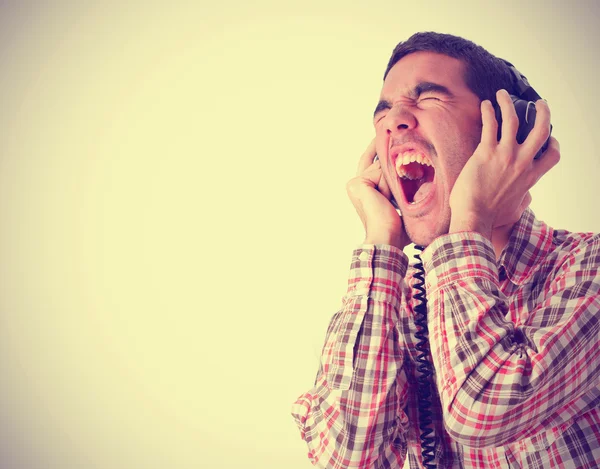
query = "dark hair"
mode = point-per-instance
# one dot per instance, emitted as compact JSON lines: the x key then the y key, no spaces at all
{"x":484,"y":73}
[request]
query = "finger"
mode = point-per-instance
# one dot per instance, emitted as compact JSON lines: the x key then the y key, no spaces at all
{"x":510,"y":121}
{"x":489,"y":130}
{"x":372,"y":174}
{"x":371,"y":177}
{"x":548,"y":160}
{"x":541,"y":129}
{"x":366,"y":159}
{"x":374,"y":177}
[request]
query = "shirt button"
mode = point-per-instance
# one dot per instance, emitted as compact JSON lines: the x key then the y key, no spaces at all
{"x":363,"y":256}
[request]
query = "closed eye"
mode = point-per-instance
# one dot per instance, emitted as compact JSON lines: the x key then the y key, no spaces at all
{"x":379,"y":116}
{"x":430,"y":98}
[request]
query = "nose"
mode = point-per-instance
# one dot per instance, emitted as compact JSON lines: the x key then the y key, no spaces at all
{"x":399,"y":119}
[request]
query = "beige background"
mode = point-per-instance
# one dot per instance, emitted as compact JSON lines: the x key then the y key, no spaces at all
{"x":175,"y":233}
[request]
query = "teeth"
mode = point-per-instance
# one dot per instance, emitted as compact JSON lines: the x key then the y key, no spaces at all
{"x":411,"y":157}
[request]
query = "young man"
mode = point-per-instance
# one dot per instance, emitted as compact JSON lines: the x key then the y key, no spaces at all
{"x":512,"y":305}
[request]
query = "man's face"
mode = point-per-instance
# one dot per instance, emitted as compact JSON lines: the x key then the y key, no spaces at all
{"x":426,"y":114}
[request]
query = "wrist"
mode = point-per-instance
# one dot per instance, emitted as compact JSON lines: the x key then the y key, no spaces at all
{"x":471,"y":222}
{"x":388,"y":239}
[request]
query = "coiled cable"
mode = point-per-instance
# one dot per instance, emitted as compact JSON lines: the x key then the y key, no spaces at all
{"x":424,"y":366}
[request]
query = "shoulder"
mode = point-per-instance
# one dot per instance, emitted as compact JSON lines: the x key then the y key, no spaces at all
{"x":572,"y":266}
{"x":579,"y":250}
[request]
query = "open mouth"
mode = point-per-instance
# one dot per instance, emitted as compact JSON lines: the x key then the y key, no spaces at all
{"x":416,"y":174}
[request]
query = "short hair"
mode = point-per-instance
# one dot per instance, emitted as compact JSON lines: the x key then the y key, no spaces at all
{"x":484,"y":73}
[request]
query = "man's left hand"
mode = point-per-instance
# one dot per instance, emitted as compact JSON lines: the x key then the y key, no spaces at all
{"x":492,"y":189}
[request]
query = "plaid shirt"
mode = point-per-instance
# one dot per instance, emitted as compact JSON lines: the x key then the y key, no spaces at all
{"x":514,"y":344}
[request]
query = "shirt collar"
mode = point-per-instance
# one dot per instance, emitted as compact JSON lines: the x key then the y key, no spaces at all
{"x":528,"y":244}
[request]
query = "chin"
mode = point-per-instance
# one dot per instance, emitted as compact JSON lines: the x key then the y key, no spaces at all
{"x":423,"y":234}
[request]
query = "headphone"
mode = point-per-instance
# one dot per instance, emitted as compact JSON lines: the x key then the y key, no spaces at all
{"x":524,"y":104}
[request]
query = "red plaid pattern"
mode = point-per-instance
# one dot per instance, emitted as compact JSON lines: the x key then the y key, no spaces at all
{"x":514,"y":343}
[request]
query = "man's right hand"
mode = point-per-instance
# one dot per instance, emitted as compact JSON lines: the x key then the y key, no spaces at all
{"x":371,"y":197}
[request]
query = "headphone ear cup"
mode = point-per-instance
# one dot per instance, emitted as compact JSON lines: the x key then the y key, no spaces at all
{"x":521,"y":110}
{"x":498,"y":119}
{"x":526,"y":113}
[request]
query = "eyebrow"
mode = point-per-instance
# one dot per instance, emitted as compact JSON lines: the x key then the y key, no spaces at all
{"x":418,"y":90}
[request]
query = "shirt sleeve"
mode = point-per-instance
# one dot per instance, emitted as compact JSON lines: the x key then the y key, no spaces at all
{"x":500,"y":382}
{"x":353,"y":416}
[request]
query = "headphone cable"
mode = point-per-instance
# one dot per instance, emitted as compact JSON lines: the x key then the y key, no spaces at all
{"x":424,"y":367}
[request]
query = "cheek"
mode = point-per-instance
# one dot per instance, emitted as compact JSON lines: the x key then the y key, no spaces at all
{"x":454,"y":150}
{"x":381,"y":148}
{"x":472,"y":134}
{"x":381,"y":140}
{"x":389,"y":174}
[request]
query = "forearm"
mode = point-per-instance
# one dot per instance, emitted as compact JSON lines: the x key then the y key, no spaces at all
{"x":353,"y":415}
{"x":355,"y":425}
{"x":500,"y":382}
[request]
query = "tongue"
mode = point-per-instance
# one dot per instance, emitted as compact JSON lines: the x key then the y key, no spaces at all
{"x":422,"y":191}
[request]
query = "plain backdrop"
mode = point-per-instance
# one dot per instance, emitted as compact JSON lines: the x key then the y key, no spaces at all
{"x":174,"y":228}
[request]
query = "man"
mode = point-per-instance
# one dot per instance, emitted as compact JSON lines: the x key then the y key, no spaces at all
{"x":512,"y":305}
